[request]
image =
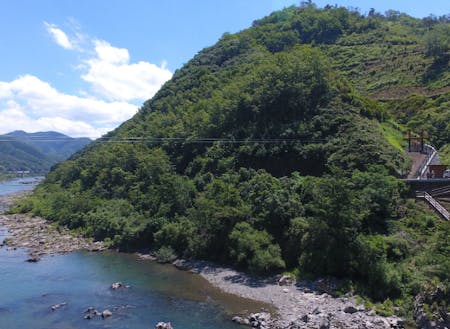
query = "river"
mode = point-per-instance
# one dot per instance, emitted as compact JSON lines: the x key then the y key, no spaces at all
{"x":81,"y":279}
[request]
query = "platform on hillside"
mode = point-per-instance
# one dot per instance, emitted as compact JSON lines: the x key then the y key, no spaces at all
{"x":418,"y":159}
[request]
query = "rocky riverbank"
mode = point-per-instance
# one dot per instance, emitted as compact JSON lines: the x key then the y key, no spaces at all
{"x":40,"y":238}
{"x":7,"y":200}
{"x":37,"y":235}
{"x":299,"y":304}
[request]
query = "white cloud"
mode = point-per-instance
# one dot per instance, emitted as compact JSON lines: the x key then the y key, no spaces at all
{"x":113,"y":77}
{"x":109,"y":54}
{"x":59,"y":36}
{"x":31,"y":104}
{"x":16,"y":117}
{"x":109,"y":71}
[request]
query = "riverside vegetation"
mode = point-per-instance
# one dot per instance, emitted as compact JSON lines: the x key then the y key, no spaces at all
{"x":279,"y":149}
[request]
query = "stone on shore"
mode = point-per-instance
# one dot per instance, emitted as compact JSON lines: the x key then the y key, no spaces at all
{"x":181,"y":264}
{"x":148,"y":257}
{"x":241,"y":320}
{"x":350,"y":309}
{"x":260,"y":320}
{"x":285,"y":280}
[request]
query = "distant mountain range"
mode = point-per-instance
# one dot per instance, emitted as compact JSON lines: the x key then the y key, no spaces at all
{"x":36,"y":152}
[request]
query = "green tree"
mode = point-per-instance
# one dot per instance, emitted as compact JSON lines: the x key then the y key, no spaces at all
{"x":254,"y":249}
{"x":437,"y":41}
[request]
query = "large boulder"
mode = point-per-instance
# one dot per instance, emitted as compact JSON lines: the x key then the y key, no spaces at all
{"x":285,"y":280}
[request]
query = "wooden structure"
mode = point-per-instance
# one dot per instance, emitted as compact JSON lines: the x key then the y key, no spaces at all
{"x":416,"y":143}
{"x":436,"y":171}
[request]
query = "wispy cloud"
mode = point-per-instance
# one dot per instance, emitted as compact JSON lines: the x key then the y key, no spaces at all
{"x":59,"y":36}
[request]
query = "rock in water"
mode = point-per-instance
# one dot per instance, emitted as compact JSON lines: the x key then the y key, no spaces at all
{"x":116,"y":285}
{"x":91,"y":313}
{"x":33,"y":259}
{"x":163,"y":325}
{"x":119,"y":285}
{"x":57,"y":306}
{"x":106,"y":314}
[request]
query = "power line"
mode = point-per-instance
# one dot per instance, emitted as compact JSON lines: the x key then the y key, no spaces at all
{"x":207,"y":140}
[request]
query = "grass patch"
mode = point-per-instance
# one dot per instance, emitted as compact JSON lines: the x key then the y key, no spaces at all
{"x":385,"y":309}
{"x":394,"y":134}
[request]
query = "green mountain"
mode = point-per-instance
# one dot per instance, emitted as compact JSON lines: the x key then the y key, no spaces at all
{"x":36,"y":152}
{"x":16,"y":155}
{"x":280,"y":147}
{"x":54,"y":144}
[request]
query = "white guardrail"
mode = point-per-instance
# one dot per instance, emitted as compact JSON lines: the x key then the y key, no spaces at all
{"x":431,"y":151}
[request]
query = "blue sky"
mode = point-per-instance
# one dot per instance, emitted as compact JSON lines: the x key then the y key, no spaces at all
{"x":82,"y":67}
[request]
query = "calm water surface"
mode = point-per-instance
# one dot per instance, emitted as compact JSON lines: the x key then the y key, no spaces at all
{"x":18,"y":184}
{"x":81,"y":279}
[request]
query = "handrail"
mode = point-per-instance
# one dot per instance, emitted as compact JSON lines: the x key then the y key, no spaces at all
{"x":429,"y":158}
{"x":437,"y":190}
{"x":440,"y":192}
{"x":435,"y":204}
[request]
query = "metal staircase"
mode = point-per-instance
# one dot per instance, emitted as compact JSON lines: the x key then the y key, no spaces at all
{"x":434,"y":203}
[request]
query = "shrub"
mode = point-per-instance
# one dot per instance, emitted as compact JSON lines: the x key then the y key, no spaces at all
{"x":254,"y":249}
{"x":165,"y":255}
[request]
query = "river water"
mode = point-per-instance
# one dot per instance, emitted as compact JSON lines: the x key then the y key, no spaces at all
{"x":81,"y":279}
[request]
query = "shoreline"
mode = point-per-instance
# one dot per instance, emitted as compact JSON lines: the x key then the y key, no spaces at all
{"x":298,"y":305}
{"x":37,"y":235}
{"x":40,"y":238}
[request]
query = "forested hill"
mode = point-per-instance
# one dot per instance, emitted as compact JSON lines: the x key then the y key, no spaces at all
{"x":52,"y":143}
{"x":36,"y":152}
{"x":278,"y":148}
